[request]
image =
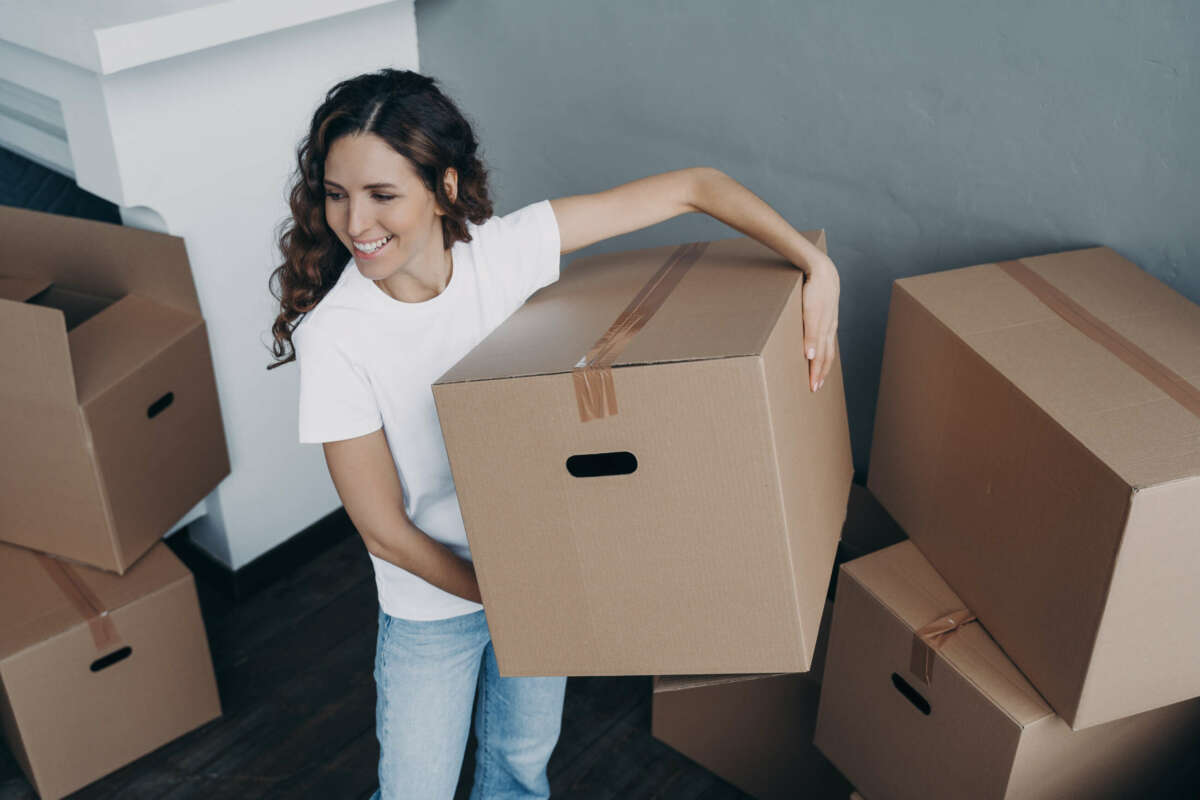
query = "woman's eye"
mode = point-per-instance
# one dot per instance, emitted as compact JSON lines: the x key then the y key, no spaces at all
{"x":333,"y":195}
{"x":383,"y":197}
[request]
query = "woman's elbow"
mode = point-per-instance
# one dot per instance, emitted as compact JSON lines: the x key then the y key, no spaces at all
{"x":386,"y":547}
{"x":702,"y":183}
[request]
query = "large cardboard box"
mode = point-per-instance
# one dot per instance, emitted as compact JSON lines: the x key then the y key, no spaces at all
{"x":755,"y":732}
{"x":689,"y":524}
{"x":972,"y":726}
{"x":1038,"y":437}
{"x":98,"y":669}
{"x":111,"y":429}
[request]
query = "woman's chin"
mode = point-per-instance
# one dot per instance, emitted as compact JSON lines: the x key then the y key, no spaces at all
{"x":373,"y":269}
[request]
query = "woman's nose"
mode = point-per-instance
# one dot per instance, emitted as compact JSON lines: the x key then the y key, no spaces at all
{"x":360,"y":220}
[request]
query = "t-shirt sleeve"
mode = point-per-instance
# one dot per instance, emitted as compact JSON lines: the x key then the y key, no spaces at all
{"x":336,"y":401}
{"x":528,"y":256}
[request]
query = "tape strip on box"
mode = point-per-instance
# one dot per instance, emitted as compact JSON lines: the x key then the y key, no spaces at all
{"x":1100,"y":332}
{"x":104,"y":633}
{"x":595,"y":392}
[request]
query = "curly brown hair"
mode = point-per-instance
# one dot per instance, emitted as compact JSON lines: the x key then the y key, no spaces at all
{"x":408,"y":111}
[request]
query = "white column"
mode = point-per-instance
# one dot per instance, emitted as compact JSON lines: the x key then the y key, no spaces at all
{"x":186,"y":114}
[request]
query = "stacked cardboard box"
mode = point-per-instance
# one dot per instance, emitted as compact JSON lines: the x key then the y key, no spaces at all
{"x":98,"y":669}
{"x":111,"y":433}
{"x":112,"y":430}
{"x":756,"y":731}
{"x":1036,"y":437}
{"x":969,"y":725}
{"x":648,"y":485}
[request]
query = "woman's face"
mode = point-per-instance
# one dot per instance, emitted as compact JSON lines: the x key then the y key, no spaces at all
{"x":377,"y":205}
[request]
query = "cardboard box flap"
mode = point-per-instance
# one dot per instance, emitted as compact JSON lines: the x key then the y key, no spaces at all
{"x":21,"y":289}
{"x":713,"y":312}
{"x":35,"y":358}
{"x":1120,"y":415}
{"x":96,"y":257}
{"x":115,"y":342}
{"x":902,"y":580}
{"x":33,"y":607}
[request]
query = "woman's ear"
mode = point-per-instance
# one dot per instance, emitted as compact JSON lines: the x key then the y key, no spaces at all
{"x":450,"y":183}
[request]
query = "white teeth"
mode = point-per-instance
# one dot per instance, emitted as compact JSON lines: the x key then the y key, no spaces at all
{"x":371,"y":247}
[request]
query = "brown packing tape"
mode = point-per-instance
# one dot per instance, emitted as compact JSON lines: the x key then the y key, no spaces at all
{"x":104,"y":633}
{"x":931,"y":637}
{"x":1100,"y":332}
{"x":595,"y":392}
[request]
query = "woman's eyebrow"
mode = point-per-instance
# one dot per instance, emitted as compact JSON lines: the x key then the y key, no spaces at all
{"x":368,"y":186}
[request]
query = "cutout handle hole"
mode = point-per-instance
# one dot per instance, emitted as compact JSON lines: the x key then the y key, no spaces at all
{"x":594,"y":465}
{"x":112,"y":658}
{"x":160,"y":405}
{"x":910,"y":694}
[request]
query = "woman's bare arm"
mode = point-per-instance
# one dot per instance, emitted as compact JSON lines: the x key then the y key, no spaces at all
{"x":588,"y":218}
{"x":365,"y":478}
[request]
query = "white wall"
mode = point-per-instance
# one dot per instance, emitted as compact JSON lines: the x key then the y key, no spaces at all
{"x":201,"y":145}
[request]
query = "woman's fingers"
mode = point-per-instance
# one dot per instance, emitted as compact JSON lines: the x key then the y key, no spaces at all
{"x":812,"y":347}
{"x":829,"y":342}
{"x":821,"y":292}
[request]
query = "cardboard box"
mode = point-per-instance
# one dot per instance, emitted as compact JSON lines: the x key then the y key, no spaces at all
{"x":1053,"y":484}
{"x":689,"y":525}
{"x":111,"y":428}
{"x":756,"y":731}
{"x":98,"y":669}
{"x":753,"y":731}
{"x":976,"y":728}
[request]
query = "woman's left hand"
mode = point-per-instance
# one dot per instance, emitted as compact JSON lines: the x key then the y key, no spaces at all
{"x":822,"y":287}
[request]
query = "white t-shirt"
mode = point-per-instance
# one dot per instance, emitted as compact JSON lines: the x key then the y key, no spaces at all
{"x":368,"y":361}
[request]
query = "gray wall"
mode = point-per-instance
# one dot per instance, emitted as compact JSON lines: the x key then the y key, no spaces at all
{"x":921,"y":135}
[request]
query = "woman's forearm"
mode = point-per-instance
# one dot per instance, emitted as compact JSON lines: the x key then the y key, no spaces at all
{"x":415,"y":551}
{"x":720,"y":196}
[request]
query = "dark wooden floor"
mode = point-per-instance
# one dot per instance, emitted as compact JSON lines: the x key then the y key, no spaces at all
{"x":294,"y":668}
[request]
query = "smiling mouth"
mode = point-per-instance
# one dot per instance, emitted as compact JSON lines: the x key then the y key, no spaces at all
{"x":373,"y":245}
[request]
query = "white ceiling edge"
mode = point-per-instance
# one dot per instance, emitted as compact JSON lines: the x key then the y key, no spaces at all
{"x":107,"y":37}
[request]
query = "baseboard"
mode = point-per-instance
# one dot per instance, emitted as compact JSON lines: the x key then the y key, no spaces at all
{"x":280,"y":560}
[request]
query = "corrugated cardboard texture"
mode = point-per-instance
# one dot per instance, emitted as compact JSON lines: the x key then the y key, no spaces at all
{"x":904,"y":582}
{"x":94,"y":257}
{"x":100,"y":325}
{"x":1009,"y":446}
{"x":676,"y":683}
{"x":727,"y":305}
{"x":988,"y":733}
{"x":75,"y":724}
{"x":21,"y":289}
{"x":757,"y":734}
{"x":812,"y":455}
{"x":188,"y":456}
{"x":1144,"y":647}
{"x":867,"y":528}
{"x":1130,"y":424}
{"x":698,"y":561}
{"x":42,"y":423}
{"x":35,"y":609}
{"x":656,"y":572}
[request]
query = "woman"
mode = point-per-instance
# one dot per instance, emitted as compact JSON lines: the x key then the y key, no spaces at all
{"x":389,"y":178}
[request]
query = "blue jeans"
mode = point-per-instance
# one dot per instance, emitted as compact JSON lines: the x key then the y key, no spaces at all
{"x":427,"y":675}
